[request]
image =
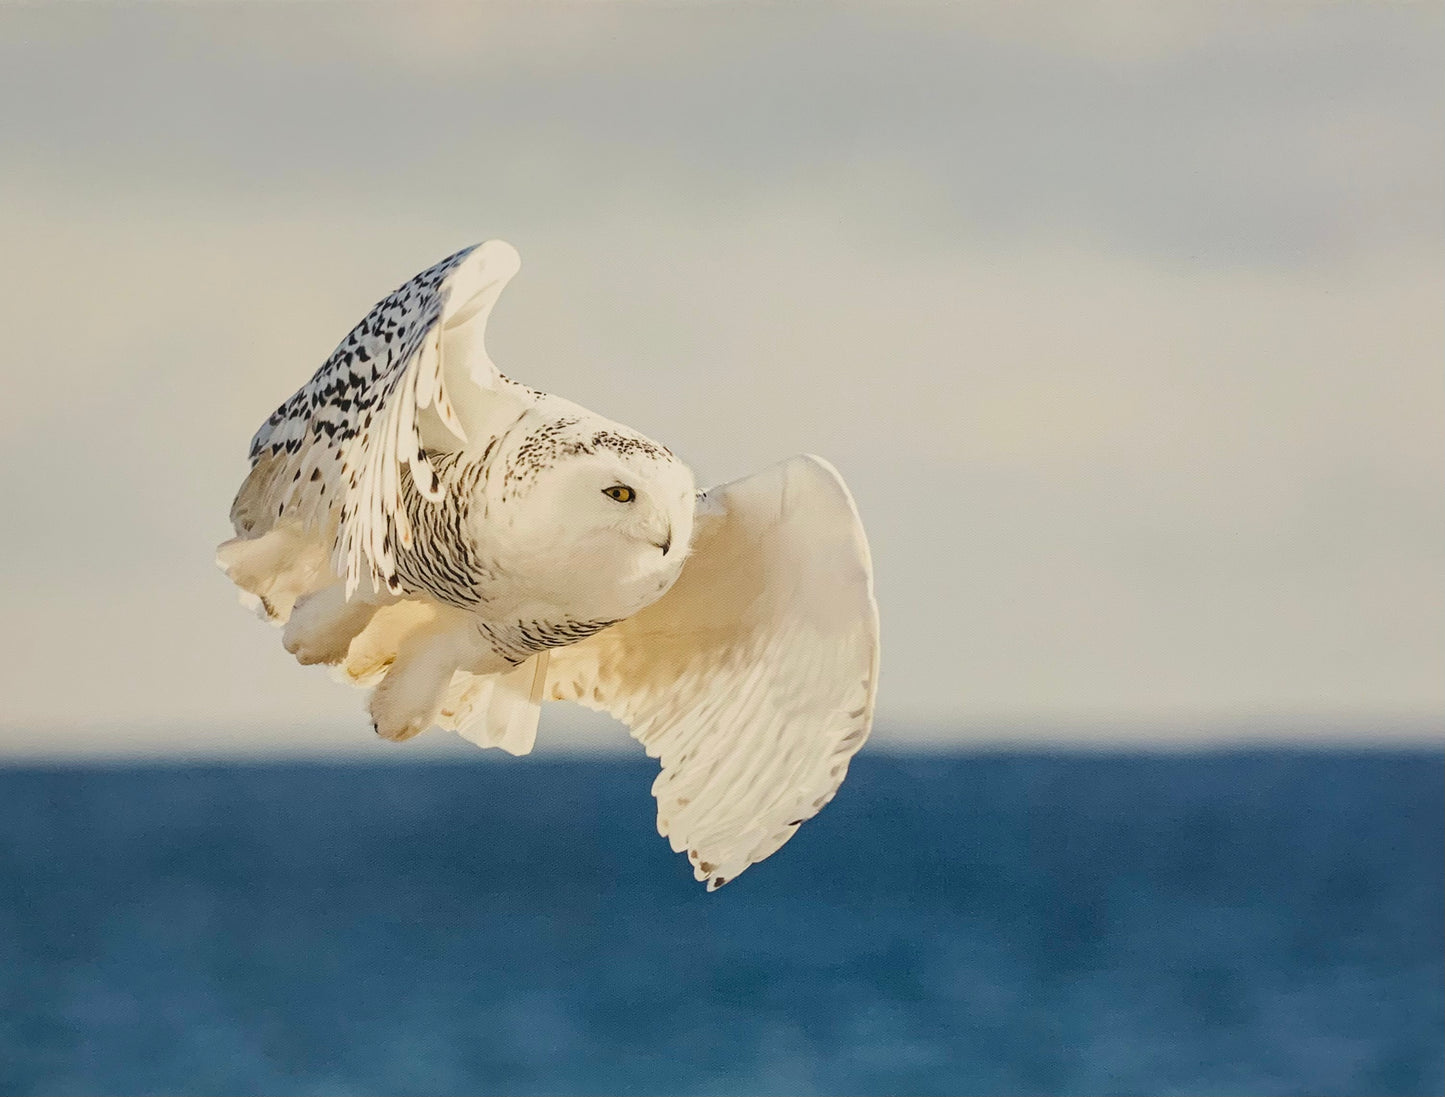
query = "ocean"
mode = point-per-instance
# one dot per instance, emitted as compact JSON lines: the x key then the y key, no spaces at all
{"x":1240,"y":922}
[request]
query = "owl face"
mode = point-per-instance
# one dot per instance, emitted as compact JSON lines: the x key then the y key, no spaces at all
{"x":601,"y":513}
{"x":638,"y":505}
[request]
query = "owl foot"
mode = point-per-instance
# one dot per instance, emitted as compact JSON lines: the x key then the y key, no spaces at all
{"x":323,"y":625}
{"x":399,"y":709}
{"x":409,"y":698}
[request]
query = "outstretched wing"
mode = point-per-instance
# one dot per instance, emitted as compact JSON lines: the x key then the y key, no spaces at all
{"x":753,"y":678}
{"x":412,"y":376}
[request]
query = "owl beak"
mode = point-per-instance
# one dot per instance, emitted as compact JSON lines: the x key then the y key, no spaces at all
{"x":666,"y":543}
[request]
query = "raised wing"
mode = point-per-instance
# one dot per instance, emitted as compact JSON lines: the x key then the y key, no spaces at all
{"x":753,"y":678}
{"x":413,"y":376}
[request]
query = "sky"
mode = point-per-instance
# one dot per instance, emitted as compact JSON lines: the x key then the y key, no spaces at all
{"x":1122,"y":321}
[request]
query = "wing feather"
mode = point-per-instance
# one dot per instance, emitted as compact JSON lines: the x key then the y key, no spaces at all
{"x":752,"y":680}
{"x":330,"y":459}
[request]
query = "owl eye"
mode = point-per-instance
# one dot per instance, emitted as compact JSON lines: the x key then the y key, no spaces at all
{"x":621,"y":492}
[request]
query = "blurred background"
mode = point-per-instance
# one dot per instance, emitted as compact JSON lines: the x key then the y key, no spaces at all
{"x":1123,"y":322}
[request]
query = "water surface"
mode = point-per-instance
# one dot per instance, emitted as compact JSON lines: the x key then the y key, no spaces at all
{"x":1261,"y":922}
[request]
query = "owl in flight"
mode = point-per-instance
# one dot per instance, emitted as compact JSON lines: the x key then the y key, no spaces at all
{"x":469,"y":547}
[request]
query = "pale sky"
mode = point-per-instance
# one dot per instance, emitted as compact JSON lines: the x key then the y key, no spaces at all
{"x":1124,"y":323}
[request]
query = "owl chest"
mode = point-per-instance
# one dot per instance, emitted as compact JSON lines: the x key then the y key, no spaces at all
{"x":520,"y":638}
{"x":523,"y":613}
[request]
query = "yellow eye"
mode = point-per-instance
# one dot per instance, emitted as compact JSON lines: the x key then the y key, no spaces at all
{"x":621,"y":492}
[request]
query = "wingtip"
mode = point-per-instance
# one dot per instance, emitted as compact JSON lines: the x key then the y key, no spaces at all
{"x":815,"y":465}
{"x":500,"y":256}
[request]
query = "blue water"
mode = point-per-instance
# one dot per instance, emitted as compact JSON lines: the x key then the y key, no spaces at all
{"x":1217,"y":923}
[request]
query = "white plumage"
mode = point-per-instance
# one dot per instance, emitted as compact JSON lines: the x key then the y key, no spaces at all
{"x":470,"y":547}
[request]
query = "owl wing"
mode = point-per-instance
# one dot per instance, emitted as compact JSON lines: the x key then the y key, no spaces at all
{"x":413,"y":376}
{"x":753,"y":678}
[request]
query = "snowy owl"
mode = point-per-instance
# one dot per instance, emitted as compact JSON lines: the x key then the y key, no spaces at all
{"x":470,"y":547}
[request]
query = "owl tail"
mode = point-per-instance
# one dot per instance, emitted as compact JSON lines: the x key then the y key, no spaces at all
{"x":498,"y":710}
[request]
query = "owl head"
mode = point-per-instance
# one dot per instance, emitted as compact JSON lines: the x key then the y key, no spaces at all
{"x":591,"y":506}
